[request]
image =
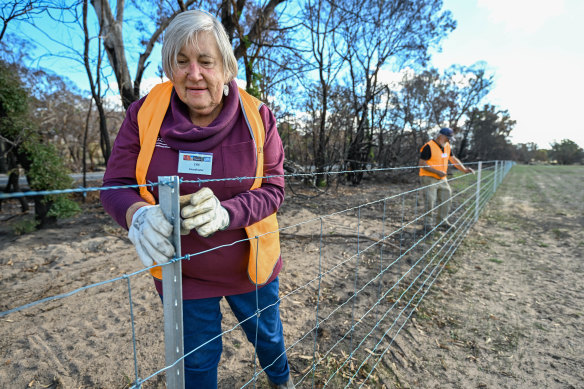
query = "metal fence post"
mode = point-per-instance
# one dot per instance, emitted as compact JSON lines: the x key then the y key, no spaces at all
{"x":478,"y":200}
{"x":172,"y":287}
{"x":496,"y":175}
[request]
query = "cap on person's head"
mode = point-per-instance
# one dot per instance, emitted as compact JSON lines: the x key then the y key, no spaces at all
{"x":447,"y":132}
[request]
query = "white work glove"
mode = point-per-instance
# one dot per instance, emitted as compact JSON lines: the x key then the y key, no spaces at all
{"x":205,"y":214}
{"x":184,"y":201}
{"x":150,"y":232}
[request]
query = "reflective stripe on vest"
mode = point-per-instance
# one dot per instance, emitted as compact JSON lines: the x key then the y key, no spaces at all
{"x":264,"y":234}
{"x":436,"y":160}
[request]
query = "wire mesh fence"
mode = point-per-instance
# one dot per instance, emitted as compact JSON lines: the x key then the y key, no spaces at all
{"x":363,"y":271}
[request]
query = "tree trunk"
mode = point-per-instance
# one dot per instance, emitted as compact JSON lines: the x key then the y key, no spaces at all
{"x":104,"y":142}
{"x":12,"y":186}
{"x":113,"y":42}
{"x":41,"y":210}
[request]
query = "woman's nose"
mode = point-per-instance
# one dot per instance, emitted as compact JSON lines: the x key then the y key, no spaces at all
{"x":194,"y":71}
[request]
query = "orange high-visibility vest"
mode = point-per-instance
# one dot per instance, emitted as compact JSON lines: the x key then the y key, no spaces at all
{"x":264,"y":235}
{"x":437,"y":161}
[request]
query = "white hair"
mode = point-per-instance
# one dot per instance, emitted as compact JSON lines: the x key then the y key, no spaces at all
{"x":184,"y":30}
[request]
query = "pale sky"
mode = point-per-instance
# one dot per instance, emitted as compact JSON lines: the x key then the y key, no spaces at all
{"x":535,"y":49}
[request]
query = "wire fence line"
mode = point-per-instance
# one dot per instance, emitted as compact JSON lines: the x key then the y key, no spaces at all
{"x":360,"y":301}
{"x":81,"y":189}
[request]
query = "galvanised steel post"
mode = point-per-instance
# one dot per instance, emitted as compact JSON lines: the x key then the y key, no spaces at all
{"x":172,"y":287}
{"x":495,"y":177}
{"x":478,"y":200}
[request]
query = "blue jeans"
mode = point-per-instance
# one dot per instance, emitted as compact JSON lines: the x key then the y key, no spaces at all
{"x":202,"y":322}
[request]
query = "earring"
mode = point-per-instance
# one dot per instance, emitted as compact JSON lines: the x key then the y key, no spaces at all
{"x":226,"y":90}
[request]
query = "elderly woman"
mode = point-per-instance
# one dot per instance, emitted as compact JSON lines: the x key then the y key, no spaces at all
{"x":200,"y":126}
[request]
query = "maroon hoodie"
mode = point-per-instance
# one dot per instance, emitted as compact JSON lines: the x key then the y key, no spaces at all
{"x":223,"y":271}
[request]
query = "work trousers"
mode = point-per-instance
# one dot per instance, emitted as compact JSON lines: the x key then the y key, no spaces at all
{"x":202,"y":331}
{"x":435,"y":192}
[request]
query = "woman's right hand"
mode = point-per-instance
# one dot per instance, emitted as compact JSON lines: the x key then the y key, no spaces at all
{"x":149,"y":232}
{"x":204,"y":213}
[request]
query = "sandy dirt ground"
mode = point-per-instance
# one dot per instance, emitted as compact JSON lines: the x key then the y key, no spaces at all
{"x":506,"y":312}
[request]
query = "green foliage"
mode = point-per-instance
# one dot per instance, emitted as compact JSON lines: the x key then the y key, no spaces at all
{"x":25,"y":226}
{"x":48,"y":172}
{"x":63,"y":207}
{"x":246,"y":41}
{"x":13,"y":103}
{"x":321,"y":182}
{"x":254,"y":88}
{"x":567,"y":152}
{"x":490,"y":128}
{"x":44,"y":167}
{"x":529,"y":153}
{"x":13,"y":97}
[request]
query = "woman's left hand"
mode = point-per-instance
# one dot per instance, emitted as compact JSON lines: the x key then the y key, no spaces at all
{"x":205,"y":214}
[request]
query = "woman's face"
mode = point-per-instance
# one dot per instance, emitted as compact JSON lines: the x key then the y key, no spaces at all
{"x":199,"y":79}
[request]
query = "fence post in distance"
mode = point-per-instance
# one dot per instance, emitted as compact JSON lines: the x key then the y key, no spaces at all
{"x":496,"y":175}
{"x":478,"y":200}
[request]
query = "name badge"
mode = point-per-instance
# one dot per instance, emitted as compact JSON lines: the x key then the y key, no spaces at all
{"x":194,"y":162}
{"x":444,"y":155}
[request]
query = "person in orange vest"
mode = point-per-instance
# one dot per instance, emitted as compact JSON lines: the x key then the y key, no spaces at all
{"x":201,"y":126}
{"x":434,"y":158}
